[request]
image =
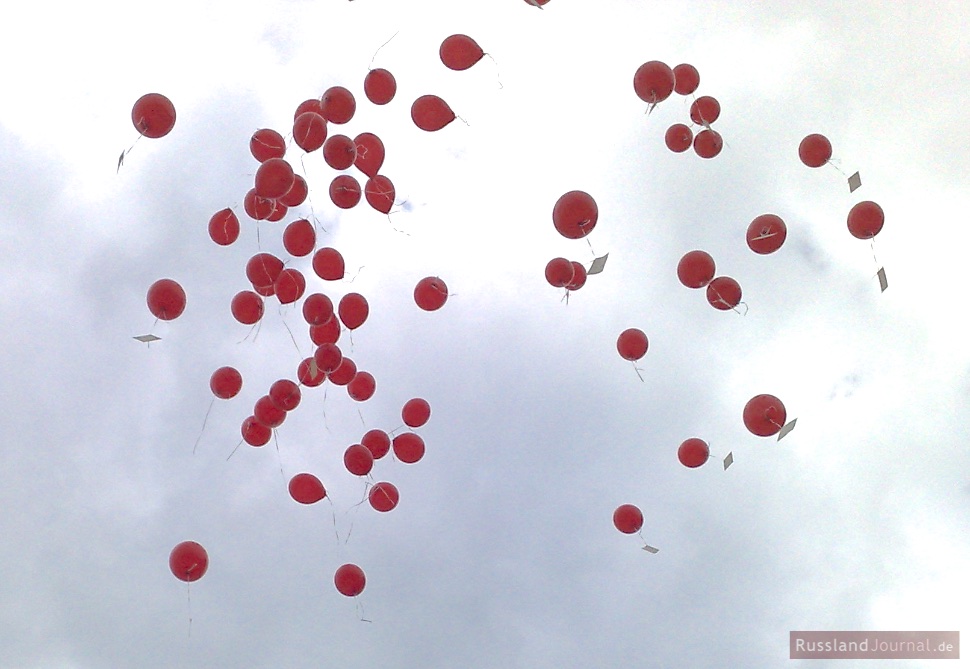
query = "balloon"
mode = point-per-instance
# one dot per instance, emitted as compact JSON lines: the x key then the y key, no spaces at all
{"x":339,"y":152}
{"x":536,"y":3}
{"x":695,"y":269}
{"x":267,"y":413}
{"x":279,"y":210}
{"x":188,"y":561}
{"x":724,"y":293}
{"x":285,"y":394}
{"x":338,"y":105}
{"x":379,"y":192}
{"x":166,"y":299}
{"x":297,"y":193}
{"x":153,"y":115}
{"x":686,"y":79}
{"x":632,"y":344}
{"x":299,"y":238}
{"x":628,"y":518}
{"x":255,"y":433}
{"x":257,"y":208}
{"x":314,"y":105}
{"x":344,"y":373}
{"x":693,"y":452}
{"x":678,"y":138}
{"x":325,"y":333}
{"x":416,"y":412}
{"x":345,"y":191}
{"x":310,"y":374}
{"x":408,"y":447}
{"x":309,"y":131}
{"x":370,"y":153}
{"x":579,"y":277}
{"x":306,"y":489}
{"x":559,"y":272}
{"x":353,"y":310}
{"x":459,"y":52}
{"x":764,"y":415}
{"x":317,"y":309}
{"x":247,"y":307}
{"x":358,"y":460}
{"x":866,"y":220}
{"x":815,"y":150}
{"x":430,"y":293}
{"x":575,"y":214}
{"x":328,"y":264}
{"x":266,"y":143}
{"x":274,"y":178}
{"x":708,"y":143}
{"x":263,"y":269}
{"x":289,"y":285}
{"x":380,"y":86}
{"x":362,"y":387}
{"x":705,"y":110}
{"x":653,"y":82}
{"x":377,"y":442}
{"x":225,"y":383}
{"x":349,"y":580}
{"x":327,"y":357}
{"x":766,"y":234}
{"x":431,"y":113}
{"x":383,"y":496}
{"x":224,"y":227}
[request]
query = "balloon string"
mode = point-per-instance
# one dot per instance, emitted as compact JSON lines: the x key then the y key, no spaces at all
{"x":498,"y":78}
{"x":121,"y":158}
{"x":637,"y":370}
{"x":369,"y":67}
{"x":235,"y":449}
{"x":188,"y":597}
{"x":287,"y":326}
{"x":204,"y":421}
{"x":333,"y":515}
{"x":359,"y":413}
{"x":833,"y":162}
{"x":278,"y":455}
{"x":360,"y":610}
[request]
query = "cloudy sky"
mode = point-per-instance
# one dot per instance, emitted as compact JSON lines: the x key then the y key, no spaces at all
{"x":502,"y":551}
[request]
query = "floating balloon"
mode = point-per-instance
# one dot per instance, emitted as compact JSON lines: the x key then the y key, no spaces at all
{"x":306,"y":489}
{"x":379,"y":192}
{"x":693,"y":452}
{"x":349,"y":580}
{"x":274,"y":178}
{"x":339,"y":152}
{"x":299,"y":238}
{"x":338,"y":105}
{"x":344,"y":373}
{"x":377,"y":442}
{"x":279,"y":211}
{"x":328,"y":357}
{"x":430,"y":293}
{"x":314,"y":105}
{"x":353,"y":310}
{"x":310,"y":131}
{"x":256,"y":207}
{"x":309,"y":374}
{"x":559,"y":272}
{"x":267,"y":413}
{"x":380,"y":86}
{"x":686,"y":79}
{"x":579,"y":276}
{"x":267,"y":143}
{"x":653,"y":82}
{"x":345,"y":192}
{"x":695,"y":269}
{"x":705,"y":110}
{"x":224,"y":227}
{"x":297,"y":194}
{"x":166,"y":299}
{"x":431,"y":113}
{"x":358,"y":460}
{"x":247,"y":307}
{"x":408,"y":447}
{"x":285,"y":394}
{"x":416,"y":412}
{"x":708,"y":143}
{"x":289,"y":285}
{"x":632,"y":344}
{"x":766,"y":234}
{"x":362,"y":387}
{"x":724,"y":293}
{"x":325,"y":333}
{"x":815,"y":150}
{"x":678,"y":137}
{"x":383,"y":496}
{"x":370,"y":153}
{"x":263,"y":269}
{"x":764,"y":415}
{"x":574,"y":214}
{"x":328,"y":264}
{"x":255,"y":433}
{"x":628,"y":519}
{"x":866,"y":220}
{"x":188,"y":561}
{"x":317,"y":309}
{"x":460,"y":52}
{"x":225,"y":383}
{"x":153,"y":115}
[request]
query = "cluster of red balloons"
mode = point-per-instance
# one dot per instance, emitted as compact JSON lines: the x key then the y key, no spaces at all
{"x":574,"y":216}
{"x":457,"y":52}
{"x":696,"y":270}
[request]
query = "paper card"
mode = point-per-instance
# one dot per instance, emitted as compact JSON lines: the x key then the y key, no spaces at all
{"x":147,"y":338}
{"x":651,"y":549}
{"x":728,"y":460}
{"x":883,"y":283}
{"x":854,"y":182}
{"x":598,"y":265}
{"x":788,"y":427}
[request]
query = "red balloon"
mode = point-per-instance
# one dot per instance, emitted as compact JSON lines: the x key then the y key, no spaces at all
{"x":274,"y":178}
{"x":317,"y":309}
{"x":166,"y":299}
{"x":285,"y":394}
{"x":724,"y":293}
{"x":328,"y":357}
{"x":430,"y":293}
{"x":705,"y":110}
{"x":314,"y":105}
{"x":279,"y":211}
{"x":224,"y":227}
{"x":153,"y":115}
{"x":575,"y":214}
{"x":258,"y":208}
{"x":362,"y":387}
{"x":267,"y":143}
{"x":764,"y":415}
{"x":325,"y":333}
{"x":267,"y":413}
{"x":579,"y":277}
{"x":349,"y":580}
{"x":383,"y":496}
{"x":693,"y":452}
{"x":339,"y":152}
{"x":299,"y":238}
{"x":290,"y":285}
{"x":247,"y":307}
{"x":695,"y":269}
{"x":431,"y":113}
{"x":263,"y":269}
{"x":344,"y":373}
{"x":536,"y":3}
{"x":416,"y":412}
{"x":708,"y":143}
{"x":459,"y":52}
{"x":265,"y":291}
{"x":328,"y":264}
{"x":306,"y":489}
{"x":370,"y":153}
{"x":297,"y":193}
{"x":345,"y":191}
{"x":338,"y":105}
{"x":380,"y":86}
{"x":309,"y":131}
{"x":686,"y":79}
{"x":408,"y":447}
{"x":188,"y":561}
{"x":353,"y":310}
{"x":866,"y":220}
{"x":377,"y":442}
{"x":766,"y":234}
{"x":358,"y":460}
{"x":379,"y":192}
{"x":255,"y":433}
{"x":679,"y":138}
{"x":632,"y":344}
{"x":628,"y":519}
{"x":559,"y":272}
{"x":225,"y":383}
{"x":815,"y":150}
{"x":310,"y":375}
{"x":653,"y":82}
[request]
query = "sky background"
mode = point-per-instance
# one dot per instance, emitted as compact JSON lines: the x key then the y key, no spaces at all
{"x":502,"y":551}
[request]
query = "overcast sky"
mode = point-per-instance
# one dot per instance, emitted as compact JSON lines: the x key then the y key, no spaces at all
{"x":502,"y":551}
